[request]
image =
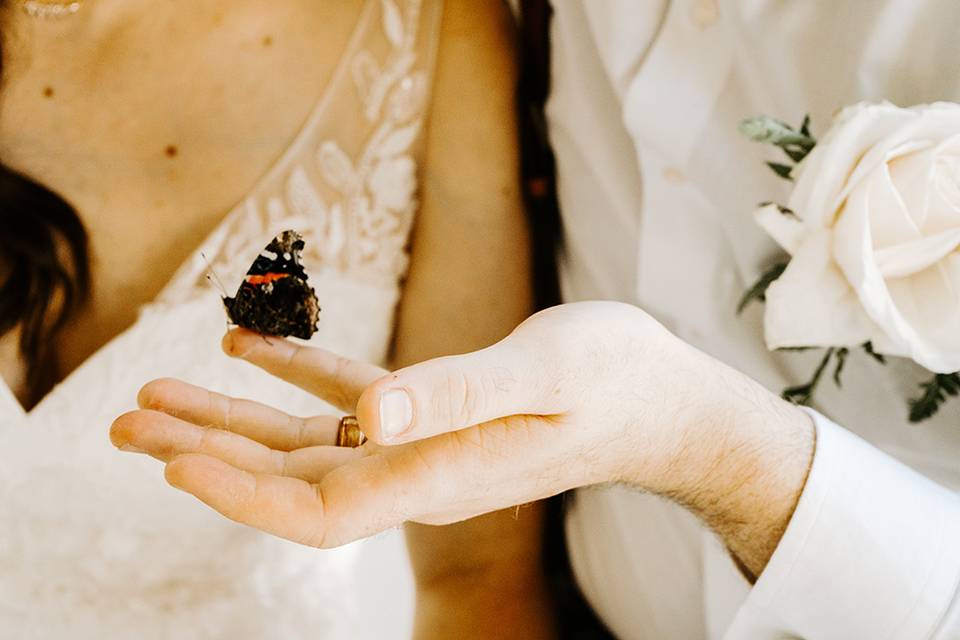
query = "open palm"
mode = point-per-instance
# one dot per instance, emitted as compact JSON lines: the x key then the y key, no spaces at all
{"x":282,"y":474}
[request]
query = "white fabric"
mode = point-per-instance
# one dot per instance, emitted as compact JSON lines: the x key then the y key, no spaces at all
{"x":872,"y":552}
{"x":93,"y":543}
{"x":657,"y":190}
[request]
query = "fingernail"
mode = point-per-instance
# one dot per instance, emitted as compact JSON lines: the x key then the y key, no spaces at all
{"x":129,"y":448}
{"x":396,"y":413}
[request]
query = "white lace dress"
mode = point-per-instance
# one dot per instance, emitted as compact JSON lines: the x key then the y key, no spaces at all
{"x":93,"y":543}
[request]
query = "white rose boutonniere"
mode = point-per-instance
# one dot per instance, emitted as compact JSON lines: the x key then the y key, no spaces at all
{"x":872,"y":228}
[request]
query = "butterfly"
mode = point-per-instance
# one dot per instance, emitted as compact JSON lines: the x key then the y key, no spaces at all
{"x":274,"y":298}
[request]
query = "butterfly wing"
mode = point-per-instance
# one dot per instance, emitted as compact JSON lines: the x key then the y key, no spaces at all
{"x":275,"y":298}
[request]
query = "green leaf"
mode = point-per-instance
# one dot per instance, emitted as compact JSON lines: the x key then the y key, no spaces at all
{"x":803,"y":393}
{"x":868,"y":347}
{"x":767,"y":130}
{"x":759,"y":290}
{"x":936,"y":392}
{"x":782,"y":170}
{"x":842,"y":354}
{"x":796,"y":154}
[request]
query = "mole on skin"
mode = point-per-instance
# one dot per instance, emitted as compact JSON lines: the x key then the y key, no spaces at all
{"x":48,"y":92}
{"x":171,"y":151}
{"x":267,"y":41}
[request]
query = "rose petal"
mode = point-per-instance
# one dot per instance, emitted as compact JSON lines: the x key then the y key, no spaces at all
{"x":929,"y":302}
{"x":823,"y":175}
{"x":853,"y":251}
{"x":788,"y":230}
{"x":812,"y":305}
{"x":895,"y":146}
{"x":908,"y":258}
{"x":872,"y":136}
{"x":943,"y":210}
{"x":890,"y":221}
{"x":911,"y":174}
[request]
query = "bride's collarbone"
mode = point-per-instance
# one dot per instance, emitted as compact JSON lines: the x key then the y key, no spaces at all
{"x":181,"y":111}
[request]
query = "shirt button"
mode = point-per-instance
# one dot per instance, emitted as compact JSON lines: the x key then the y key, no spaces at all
{"x":673,"y":175}
{"x":706,"y":13}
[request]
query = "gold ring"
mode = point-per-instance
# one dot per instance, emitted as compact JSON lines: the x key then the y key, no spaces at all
{"x":349,"y":433}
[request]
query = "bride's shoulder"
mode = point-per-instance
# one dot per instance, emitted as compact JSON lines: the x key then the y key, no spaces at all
{"x":476,"y":76}
{"x":476,"y":49}
{"x":472,"y":129}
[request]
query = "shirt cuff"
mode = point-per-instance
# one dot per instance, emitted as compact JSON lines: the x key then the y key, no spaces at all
{"x":872,"y":551}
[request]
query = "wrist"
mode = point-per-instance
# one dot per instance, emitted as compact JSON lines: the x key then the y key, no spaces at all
{"x":752,"y":488}
{"x":737,"y":457}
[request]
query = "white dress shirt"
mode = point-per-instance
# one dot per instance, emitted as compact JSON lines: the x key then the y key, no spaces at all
{"x":657,"y":190}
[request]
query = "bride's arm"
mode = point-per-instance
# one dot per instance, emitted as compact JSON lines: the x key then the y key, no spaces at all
{"x":468,"y":286}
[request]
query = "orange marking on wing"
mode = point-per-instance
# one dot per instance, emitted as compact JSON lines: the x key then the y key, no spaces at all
{"x":266,"y":278}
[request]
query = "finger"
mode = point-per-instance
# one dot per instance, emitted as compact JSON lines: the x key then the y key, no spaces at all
{"x":441,"y":480}
{"x":287,"y":507}
{"x":165,"y":437}
{"x":448,"y":478}
{"x":454,"y":392}
{"x":334,"y":378}
{"x":273,"y":428}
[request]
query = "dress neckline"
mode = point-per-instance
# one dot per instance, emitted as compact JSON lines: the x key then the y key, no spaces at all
{"x":10,"y":404}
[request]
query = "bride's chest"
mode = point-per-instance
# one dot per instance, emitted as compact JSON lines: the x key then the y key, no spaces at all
{"x":156,"y":127}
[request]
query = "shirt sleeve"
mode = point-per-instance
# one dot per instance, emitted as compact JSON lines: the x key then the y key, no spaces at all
{"x":872,"y":551}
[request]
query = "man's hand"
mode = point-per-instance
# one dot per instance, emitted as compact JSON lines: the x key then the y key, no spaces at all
{"x":576,"y":395}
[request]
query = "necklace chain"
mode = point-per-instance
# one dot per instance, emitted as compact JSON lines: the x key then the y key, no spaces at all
{"x":49,"y":10}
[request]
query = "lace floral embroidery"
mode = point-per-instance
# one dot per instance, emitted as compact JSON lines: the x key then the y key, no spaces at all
{"x":379,"y":187}
{"x":363,"y":228}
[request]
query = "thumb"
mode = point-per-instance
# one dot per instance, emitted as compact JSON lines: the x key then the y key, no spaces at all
{"x":455,"y":392}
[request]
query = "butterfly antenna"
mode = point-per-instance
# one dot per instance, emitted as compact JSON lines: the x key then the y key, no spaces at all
{"x":213,"y":277}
